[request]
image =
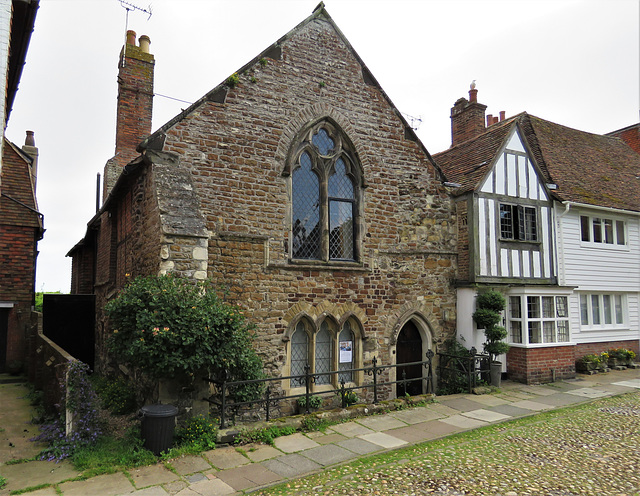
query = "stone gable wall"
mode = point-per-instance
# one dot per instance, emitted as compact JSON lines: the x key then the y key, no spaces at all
{"x":236,"y":154}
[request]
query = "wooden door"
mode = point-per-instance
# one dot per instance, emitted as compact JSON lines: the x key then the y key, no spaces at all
{"x":409,"y":349}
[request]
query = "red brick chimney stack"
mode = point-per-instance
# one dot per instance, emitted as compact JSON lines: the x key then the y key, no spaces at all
{"x":467,"y":118}
{"x":134,"y":106}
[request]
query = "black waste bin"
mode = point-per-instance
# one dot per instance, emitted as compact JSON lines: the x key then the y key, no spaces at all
{"x":158,"y":426}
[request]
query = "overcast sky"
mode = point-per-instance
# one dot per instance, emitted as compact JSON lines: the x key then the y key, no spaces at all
{"x":574,"y":62}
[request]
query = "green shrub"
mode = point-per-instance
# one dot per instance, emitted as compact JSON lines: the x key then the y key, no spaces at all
{"x":169,"y":327}
{"x":314,"y":401}
{"x":199,"y":433}
{"x":115,"y":394}
{"x":487,"y":316}
{"x":265,"y":435}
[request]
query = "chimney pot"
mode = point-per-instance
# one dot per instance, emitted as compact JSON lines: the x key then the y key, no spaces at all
{"x":495,"y":119}
{"x":131,"y":37}
{"x":473,"y":95}
{"x":30,"y":139}
{"x":489,"y":119}
{"x":145,"y":41}
{"x":502,"y":115}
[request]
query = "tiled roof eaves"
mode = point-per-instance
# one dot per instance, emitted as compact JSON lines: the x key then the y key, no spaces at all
{"x":469,"y":162}
{"x":588,"y":168}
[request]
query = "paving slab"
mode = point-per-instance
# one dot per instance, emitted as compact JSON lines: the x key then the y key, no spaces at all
{"x":152,"y":491}
{"x":444,"y":410}
{"x":248,"y":476}
{"x":294,"y":443}
{"x":461,"y":404}
{"x":359,"y":446}
{"x":588,"y":392}
{"x":535,"y":406}
{"x":538,"y":390}
{"x":416,"y":415}
{"x":635,"y":383}
{"x":463,"y":422}
{"x":486,"y":415}
{"x":211,"y":487}
{"x":260,"y":453}
{"x":328,"y":454}
{"x":332,"y":437}
{"x":189,"y":464}
{"x":350,"y":429}
{"x":152,"y":475}
{"x":30,"y":474}
{"x":511,"y":410}
{"x":437,"y":429}
{"x":387,"y":441}
{"x":104,"y":485}
{"x":516,"y":395}
{"x":560,"y":399}
{"x":381,"y":422}
{"x":412,"y":433}
{"x":292,"y":465}
{"x":47,"y":491}
{"x":489,"y":400}
{"x":225,"y":458}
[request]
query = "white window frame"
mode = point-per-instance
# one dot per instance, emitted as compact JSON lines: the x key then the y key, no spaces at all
{"x":527,"y":322}
{"x":597,"y":235}
{"x":593,"y":311}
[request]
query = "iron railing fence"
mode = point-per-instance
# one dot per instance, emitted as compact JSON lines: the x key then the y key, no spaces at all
{"x":457,"y":373}
{"x":273,"y":395}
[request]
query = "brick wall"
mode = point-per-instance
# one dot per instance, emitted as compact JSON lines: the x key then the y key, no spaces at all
{"x":597,"y":348}
{"x":538,"y":365}
{"x":630,"y":135}
{"x":19,"y":234}
{"x":463,"y":240}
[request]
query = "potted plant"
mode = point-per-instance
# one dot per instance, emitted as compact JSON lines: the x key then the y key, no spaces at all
{"x":588,"y":363}
{"x":489,"y":307}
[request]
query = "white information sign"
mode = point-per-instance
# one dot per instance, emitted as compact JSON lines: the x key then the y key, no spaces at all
{"x":346,"y":351}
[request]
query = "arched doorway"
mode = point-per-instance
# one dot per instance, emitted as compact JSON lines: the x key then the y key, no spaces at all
{"x":409,"y":349}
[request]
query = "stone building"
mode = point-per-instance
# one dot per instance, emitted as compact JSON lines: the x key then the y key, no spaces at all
{"x":298,"y":185}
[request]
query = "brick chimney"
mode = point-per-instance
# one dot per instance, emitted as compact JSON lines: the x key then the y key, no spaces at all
{"x":135,"y":105}
{"x":30,"y":149}
{"x":467,"y":118}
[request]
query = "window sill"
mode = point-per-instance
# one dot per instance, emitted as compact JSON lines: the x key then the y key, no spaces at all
{"x":320,"y":265}
{"x":603,"y":246}
{"x":541,"y":345}
{"x":605,"y":329}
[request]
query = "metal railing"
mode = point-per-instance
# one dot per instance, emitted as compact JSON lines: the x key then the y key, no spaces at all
{"x":461,"y":371}
{"x":273,"y":395}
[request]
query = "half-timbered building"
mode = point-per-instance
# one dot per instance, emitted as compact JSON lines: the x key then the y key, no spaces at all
{"x":537,"y":204}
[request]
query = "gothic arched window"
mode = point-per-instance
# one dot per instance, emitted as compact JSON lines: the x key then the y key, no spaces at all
{"x":325,"y":187}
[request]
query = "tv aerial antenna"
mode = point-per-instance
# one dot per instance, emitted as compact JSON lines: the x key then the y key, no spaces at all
{"x":414,"y":122}
{"x":128,"y":6}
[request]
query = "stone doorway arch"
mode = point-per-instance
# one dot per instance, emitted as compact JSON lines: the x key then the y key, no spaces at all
{"x":411,"y":345}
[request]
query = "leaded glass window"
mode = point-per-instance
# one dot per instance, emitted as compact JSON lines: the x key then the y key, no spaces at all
{"x":324,"y":198}
{"x":323,"y":354}
{"x":306,"y":211}
{"x":299,"y":350}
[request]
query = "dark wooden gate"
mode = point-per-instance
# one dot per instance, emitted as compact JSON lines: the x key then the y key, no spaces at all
{"x":69,"y":321}
{"x":409,"y":349}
